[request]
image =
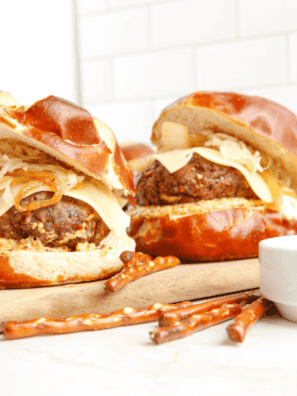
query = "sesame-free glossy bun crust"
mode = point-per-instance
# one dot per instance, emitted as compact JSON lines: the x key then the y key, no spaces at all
{"x":70,"y":134}
{"x":207,"y":237}
{"x":254,"y":113}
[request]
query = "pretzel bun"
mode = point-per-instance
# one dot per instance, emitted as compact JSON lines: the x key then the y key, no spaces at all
{"x":30,"y":268}
{"x":222,"y":228}
{"x":54,"y":135}
{"x":70,"y":134}
{"x":132,"y":150}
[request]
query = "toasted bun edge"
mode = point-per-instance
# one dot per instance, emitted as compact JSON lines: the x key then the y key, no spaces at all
{"x":27,"y":269}
{"x":209,"y":236}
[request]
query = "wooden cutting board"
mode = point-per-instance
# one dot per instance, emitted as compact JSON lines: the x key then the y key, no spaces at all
{"x":184,"y":282}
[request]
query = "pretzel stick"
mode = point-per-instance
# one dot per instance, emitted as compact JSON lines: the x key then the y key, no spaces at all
{"x":130,"y":274}
{"x":129,"y":258}
{"x":248,"y":317}
{"x":194,"y":323}
{"x":125,"y":317}
{"x":169,"y":317}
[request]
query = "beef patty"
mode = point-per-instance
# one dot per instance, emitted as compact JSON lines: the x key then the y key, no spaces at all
{"x":200,"y":179}
{"x":65,"y":223}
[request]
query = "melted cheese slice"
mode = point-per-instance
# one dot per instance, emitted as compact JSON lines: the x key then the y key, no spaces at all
{"x":102,"y":200}
{"x":284,"y":199}
{"x":287,"y":205}
{"x":177,"y":159}
{"x":264,"y":185}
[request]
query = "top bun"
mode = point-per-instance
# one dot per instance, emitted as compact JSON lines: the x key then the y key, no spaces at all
{"x":261,"y":123}
{"x":70,"y":134}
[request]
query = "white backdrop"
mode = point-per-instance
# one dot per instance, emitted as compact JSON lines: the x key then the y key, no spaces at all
{"x":37,"y":56}
{"x":137,"y":56}
{"x":134,"y":57}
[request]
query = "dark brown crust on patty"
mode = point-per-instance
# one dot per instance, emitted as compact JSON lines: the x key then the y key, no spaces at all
{"x":199,"y":180}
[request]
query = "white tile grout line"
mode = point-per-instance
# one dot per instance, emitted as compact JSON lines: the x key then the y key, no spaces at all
{"x":164,"y":96}
{"x":197,"y":45}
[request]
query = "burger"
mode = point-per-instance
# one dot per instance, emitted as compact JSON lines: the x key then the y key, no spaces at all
{"x":63,"y":184}
{"x":223,"y":179}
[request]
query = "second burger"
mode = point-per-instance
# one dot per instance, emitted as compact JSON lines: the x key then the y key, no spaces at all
{"x":224,"y":178}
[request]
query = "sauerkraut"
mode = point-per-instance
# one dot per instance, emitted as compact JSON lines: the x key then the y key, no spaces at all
{"x":67,"y":179}
{"x":233,"y":149}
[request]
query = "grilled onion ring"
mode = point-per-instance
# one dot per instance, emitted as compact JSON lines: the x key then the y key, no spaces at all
{"x":39,"y":179}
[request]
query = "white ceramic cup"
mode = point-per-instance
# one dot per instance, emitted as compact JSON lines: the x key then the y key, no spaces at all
{"x":278,"y":273}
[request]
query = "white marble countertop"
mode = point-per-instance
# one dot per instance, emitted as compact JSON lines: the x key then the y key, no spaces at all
{"x":124,"y":361}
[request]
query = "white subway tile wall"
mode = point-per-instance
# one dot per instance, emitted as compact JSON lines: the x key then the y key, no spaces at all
{"x":153,"y":74}
{"x":113,"y":33}
{"x":138,"y":56}
{"x":184,"y":22}
{"x":241,"y":64}
{"x":86,"y":6}
{"x":97,"y":80}
{"x":130,"y":121}
{"x":266,"y":16}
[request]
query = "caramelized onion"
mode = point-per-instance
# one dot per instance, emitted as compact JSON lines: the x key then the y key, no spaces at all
{"x":35,"y":180}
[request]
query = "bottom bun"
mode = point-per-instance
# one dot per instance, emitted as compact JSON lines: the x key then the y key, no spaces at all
{"x":28,"y":268}
{"x":218,"y":230}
